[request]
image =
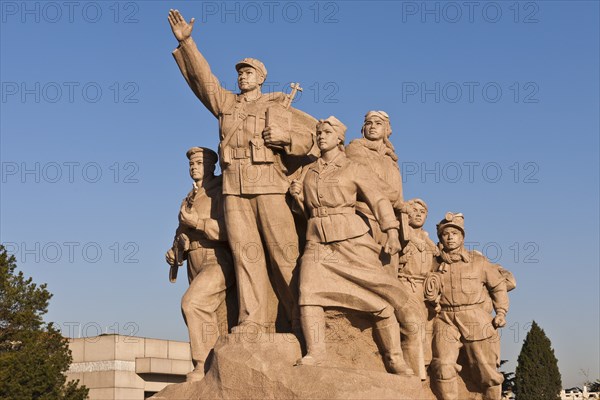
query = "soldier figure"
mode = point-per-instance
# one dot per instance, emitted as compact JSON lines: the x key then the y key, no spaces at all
{"x":416,"y":263}
{"x":340,"y":266}
{"x":201,"y":238}
{"x":462,"y":286}
{"x":375,"y":151}
{"x":253,"y":145}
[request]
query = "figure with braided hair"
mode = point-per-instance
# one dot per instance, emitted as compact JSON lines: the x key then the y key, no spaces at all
{"x":375,"y":152}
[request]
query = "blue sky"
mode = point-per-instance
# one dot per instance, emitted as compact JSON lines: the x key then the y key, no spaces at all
{"x":494,"y":109}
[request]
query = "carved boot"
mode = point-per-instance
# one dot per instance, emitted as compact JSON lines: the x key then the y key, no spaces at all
{"x":197,"y":373}
{"x":413,"y":352}
{"x":447,"y":389}
{"x":312,"y":319}
{"x":388,"y":333}
{"x":493,"y":393}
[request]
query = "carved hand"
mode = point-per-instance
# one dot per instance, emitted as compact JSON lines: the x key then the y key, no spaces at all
{"x":189,"y":218}
{"x":499,"y":321}
{"x":170,"y":257}
{"x":181,"y":29}
{"x":274,"y":136}
{"x":296,"y":189}
{"x":392,"y":245}
{"x":183,"y":243}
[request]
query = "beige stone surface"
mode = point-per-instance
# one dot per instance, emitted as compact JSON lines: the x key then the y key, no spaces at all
{"x":75,"y":376}
{"x":150,"y":365}
{"x":129,"y":394}
{"x":99,"y":348}
{"x":99,"y":379}
{"x":155,"y":348}
{"x":261,"y":367}
{"x":179,"y":350}
{"x":181,"y":367}
{"x":102,"y":393}
{"x":103,"y":375}
{"x":77,"y":349}
{"x":129,"y":348}
{"x":142,"y":365}
{"x":159,"y":383}
{"x":128,"y":379}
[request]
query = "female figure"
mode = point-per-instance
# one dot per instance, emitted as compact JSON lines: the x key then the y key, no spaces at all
{"x":340,"y":266}
{"x":375,"y":151}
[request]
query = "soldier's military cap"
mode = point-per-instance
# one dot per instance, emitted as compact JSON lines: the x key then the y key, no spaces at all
{"x":208,"y":156}
{"x":254,"y":63}
{"x":454,"y":220}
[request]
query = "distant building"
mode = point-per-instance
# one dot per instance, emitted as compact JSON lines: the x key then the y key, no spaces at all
{"x":116,"y":367}
{"x":578,"y":394}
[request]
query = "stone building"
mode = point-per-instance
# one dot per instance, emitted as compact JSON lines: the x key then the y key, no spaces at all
{"x":117,"y":367}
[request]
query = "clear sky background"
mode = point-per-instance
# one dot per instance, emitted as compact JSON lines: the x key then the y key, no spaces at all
{"x":494,"y":109}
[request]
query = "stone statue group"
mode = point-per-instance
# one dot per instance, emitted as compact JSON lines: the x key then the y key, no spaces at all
{"x":324,"y":225}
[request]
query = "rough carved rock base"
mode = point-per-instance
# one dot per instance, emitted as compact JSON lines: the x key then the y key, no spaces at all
{"x":261,"y":366}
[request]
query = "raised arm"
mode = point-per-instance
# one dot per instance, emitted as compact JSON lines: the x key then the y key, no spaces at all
{"x":195,"y":68}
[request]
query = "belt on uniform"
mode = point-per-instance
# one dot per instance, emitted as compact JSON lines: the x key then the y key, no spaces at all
{"x":416,"y":278}
{"x":205,"y":244}
{"x":321,"y":212}
{"x":412,"y":279}
{"x":240,"y":152}
{"x":461,"y":308}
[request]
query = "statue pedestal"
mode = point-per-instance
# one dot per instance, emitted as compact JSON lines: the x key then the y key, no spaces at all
{"x":261,"y":366}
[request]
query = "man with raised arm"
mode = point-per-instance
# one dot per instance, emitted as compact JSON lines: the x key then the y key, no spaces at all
{"x":257,"y":134}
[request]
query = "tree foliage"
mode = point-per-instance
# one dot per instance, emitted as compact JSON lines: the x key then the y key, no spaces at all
{"x":33,"y":354}
{"x":537,"y":376}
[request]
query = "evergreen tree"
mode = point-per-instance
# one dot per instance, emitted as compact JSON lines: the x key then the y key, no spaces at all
{"x":537,"y":376}
{"x":33,"y":354}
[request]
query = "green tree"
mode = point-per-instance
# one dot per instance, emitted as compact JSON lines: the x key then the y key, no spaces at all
{"x":33,"y":354}
{"x":537,"y":376}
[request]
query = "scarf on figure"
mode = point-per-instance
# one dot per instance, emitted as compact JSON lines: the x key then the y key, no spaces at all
{"x":452,"y":257}
{"x":388,"y":149}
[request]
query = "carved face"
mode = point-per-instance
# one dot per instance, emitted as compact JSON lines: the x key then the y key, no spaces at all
{"x":327,"y":137}
{"x":196,"y":168}
{"x":375,"y":128}
{"x":248,"y":79}
{"x":452,"y":238}
{"x":417,"y":215}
